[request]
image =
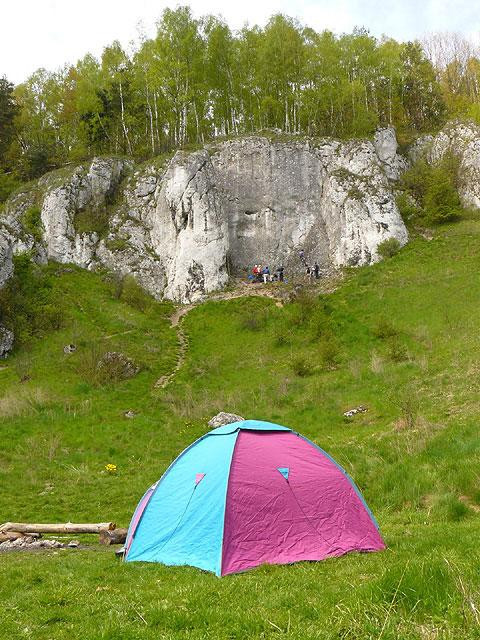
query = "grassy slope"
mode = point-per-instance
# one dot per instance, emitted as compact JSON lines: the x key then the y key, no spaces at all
{"x":422,"y":480}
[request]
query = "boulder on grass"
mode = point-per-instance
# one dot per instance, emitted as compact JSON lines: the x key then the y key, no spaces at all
{"x":224,"y":418}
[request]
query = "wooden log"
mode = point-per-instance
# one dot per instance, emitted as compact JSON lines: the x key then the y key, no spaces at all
{"x":68,"y":527}
{"x":10,"y":535}
{"x":116,"y":536}
{"x":13,"y":535}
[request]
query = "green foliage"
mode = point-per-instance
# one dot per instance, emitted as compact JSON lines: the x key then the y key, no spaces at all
{"x":430,"y":192}
{"x":301,"y":366}
{"x":304,"y":307}
{"x":8,"y":111}
{"x":28,"y":303}
{"x":253,"y":321}
{"x":98,"y":370}
{"x":35,"y":162}
{"x":355,"y":194}
{"x":133,"y":294}
{"x":441,"y":202}
{"x":388,"y":248}
{"x":32,"y":222}
{"x":91,"y":220}
{"x":282,"y":334}
{"x":385,"y":329}
{"x":329,"y":352}
{"x":117,"y":244}
{"x":418,"y":81}
{"x":397,"y":350}
{"x":407,"y":206}
{"x":8,"y":183}
{"x":448,"y":507}
{"x":196,"y":80}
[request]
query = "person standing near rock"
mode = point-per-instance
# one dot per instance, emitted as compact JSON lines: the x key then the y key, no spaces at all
{"x":266,"y":274}
{"x":316,"y":270}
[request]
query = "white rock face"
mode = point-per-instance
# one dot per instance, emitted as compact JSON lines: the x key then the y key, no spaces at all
{"x":84,"y":189}
{"x":6,"y":263}
{"x":385,"y":143}
{"x":332,"y":200}
{"x":179,"y":229}
{"x":189,"y":228}
{"x":223,"y":418}
{"x":6,"y":342}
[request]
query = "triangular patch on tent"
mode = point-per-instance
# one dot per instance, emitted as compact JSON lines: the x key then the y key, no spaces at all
{"x":199,"y":477}
{"x":284,"y":471}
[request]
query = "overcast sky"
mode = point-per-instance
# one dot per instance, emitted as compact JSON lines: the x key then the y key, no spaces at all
{"x":49,"y":33}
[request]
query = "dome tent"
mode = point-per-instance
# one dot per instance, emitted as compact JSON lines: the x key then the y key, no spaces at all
{"x":250,"y":493}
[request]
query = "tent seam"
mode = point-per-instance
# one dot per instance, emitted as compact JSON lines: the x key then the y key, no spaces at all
{"x":225,"y":501}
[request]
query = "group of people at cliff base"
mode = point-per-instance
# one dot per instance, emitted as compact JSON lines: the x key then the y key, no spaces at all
{"x":263,"y":274}
{"x":310,"y":271}
{"x":313,"y":272}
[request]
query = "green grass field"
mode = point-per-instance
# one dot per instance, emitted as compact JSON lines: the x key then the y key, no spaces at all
{"x":400,"y":337}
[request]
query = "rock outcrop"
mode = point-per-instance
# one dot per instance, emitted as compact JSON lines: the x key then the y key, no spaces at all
{"x":6,"y":341}
{"x":180,"y":229}
{"x":223,"y":418}
{"x":386,"y":146}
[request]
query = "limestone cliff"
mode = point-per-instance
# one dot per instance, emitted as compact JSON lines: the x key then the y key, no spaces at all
{"x":180,"y":228}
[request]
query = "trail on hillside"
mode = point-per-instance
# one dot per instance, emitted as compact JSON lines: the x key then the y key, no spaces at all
{"x":182,"y":339}
{"x":242,"y":289}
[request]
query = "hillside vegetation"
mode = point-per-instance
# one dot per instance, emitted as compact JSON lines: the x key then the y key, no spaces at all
{"x":400,"y":337}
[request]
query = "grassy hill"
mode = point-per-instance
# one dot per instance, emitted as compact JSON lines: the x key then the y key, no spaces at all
{"x":400,"y":337}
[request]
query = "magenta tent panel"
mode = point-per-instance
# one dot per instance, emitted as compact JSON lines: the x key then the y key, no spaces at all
{"x":289,"y":501}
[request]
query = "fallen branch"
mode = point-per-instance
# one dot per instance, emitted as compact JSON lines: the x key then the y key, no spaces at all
{"x":68,"y":527}
{"x":14,"y":535}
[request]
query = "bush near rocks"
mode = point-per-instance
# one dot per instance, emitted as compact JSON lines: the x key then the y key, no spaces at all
{"x":429,"y":193}
{"x":91,"y":220}
{"x":32,"y":223}
{"x":8,"y":183}
{"x":133,"y":294}
{"x":388,"y":248}
{"x":100,"y":369}
{"x":114,"y":366}
{"x":28,"y":305}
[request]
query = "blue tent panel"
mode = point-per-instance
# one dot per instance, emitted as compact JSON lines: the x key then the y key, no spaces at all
{"x":183,"y":521}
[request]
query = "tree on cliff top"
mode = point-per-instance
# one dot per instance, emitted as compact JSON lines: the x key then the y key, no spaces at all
{"x":196,"y":80}
{"x":8,"y":110}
